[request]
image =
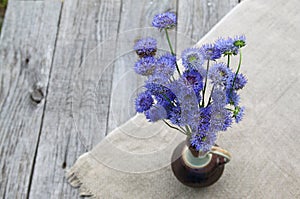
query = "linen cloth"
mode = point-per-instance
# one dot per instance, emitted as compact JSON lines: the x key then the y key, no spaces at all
{"x":134,"y":160}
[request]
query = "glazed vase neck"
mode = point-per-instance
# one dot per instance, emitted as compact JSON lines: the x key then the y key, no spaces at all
{"x":195,"y":161}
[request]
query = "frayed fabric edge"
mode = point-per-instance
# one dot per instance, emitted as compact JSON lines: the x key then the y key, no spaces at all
{"x":74,"y":178}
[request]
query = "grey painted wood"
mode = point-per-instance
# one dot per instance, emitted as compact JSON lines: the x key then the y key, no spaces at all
{"x":26,"y":47}
{"x":71,"y":126}
{"x":91,"y":84}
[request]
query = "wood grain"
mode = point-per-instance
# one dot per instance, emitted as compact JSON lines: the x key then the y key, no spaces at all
{"x":71,"y":100}
{"x":26,"y":47}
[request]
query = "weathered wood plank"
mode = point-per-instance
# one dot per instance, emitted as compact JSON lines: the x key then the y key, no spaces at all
{"x":75,"y":77}
{"x":196,"y":18}
{"x":136,"y":18}
{"x":26,"y":48}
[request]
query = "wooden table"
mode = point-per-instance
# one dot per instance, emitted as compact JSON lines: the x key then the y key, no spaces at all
{"x":43,"y":45}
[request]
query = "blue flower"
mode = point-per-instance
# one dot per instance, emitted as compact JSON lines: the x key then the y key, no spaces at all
{"x":155,"y":113}
{"x":220,"y":119}
{"x":238,"y":113}
{"x":157,"y":79}
{"x":212,"y":120}
{"x":158,"y":89}
{"x":195,"y":79}
{"x":165,"y":65}
{"x":183,"y":90}
{"x":164,"y":20}
{"x":192,"y":58}
{"x":145,"y":66}
{"x":227,"y":121}
{"x":239,"y":82}
{"x":210,"y":52}
{"x":239,"y":41}
{"x":143,"y":102}
{"x":174,"y":115}
{"x":203,"y":141}
{"x":163,"y":95}
{"x":185,"y":98}
{"x":194,"y":120}
{"x":219,"y":97}
{"x":226,"y":46}
{"x":145,"y":47}
{"x":205,"y":115}
{"x":232,"y":97}
{"x":218,"y":74}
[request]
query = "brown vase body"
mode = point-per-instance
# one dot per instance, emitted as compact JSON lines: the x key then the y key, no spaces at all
{"x":202,"y":175}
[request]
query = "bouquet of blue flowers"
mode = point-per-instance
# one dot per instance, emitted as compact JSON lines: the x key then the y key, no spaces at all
{"x":178,"y":97}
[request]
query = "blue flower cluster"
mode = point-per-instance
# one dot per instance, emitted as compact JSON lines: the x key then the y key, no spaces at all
{"x":145,"y":66}
{"x":179,"y":99}
{"x":230,"y":46}
{"x":219,"y":73}
{"x":238,"y":113}
{"x":143,"y":102}
{"x":165,"y":68}
{"x":210,"y":52}
{"x":195,"y":79}
{"x":145,"y":47}
{"x":203,"y":141}
{"x":165,"y":20}
{"x":155,"y":113}
{"x":192,"y":58}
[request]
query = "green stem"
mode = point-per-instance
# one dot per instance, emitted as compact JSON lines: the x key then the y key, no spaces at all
{"x":238,"y":69}
{"x":173,"y":78}
{"x":229,"y":109}
{"x":173,"y":127}
{"x":203,"y":92}
{"x":168,"y":99}
{"x":188,"y":130}
{"x":171,"y":49}
{"x":169,"y":42}
{"x":228,"y":61}
{"x":182,"y":129}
